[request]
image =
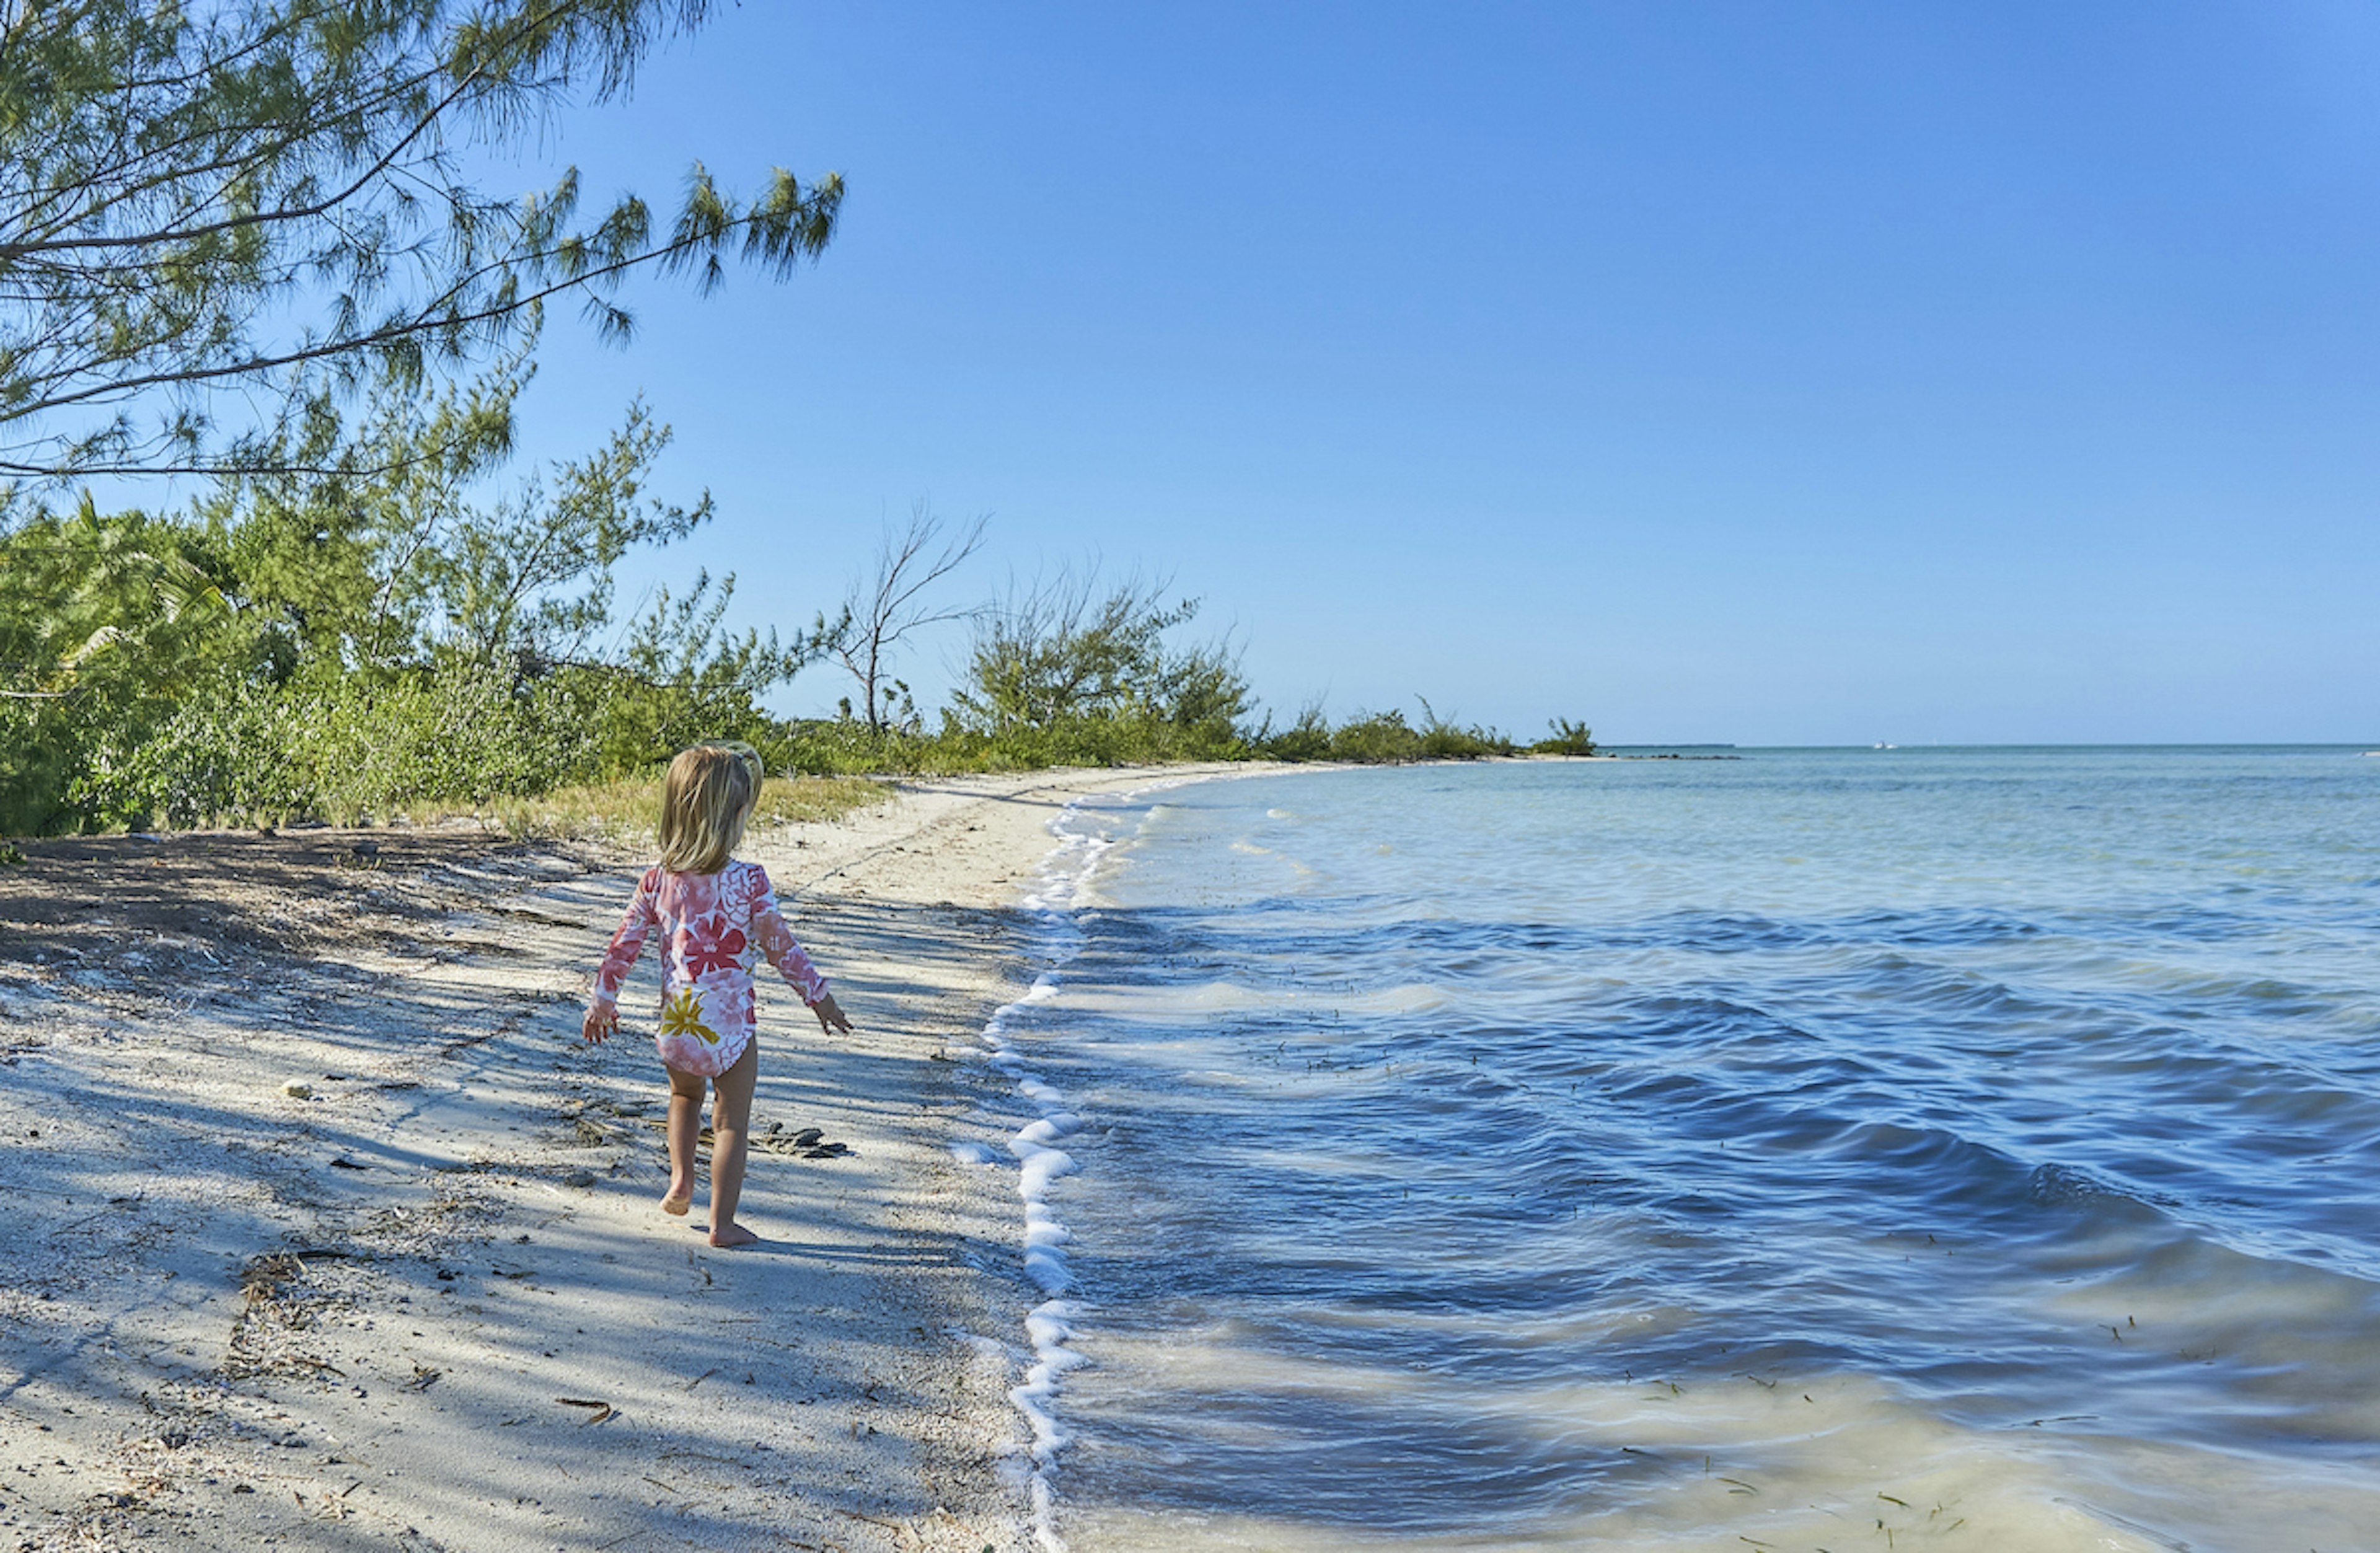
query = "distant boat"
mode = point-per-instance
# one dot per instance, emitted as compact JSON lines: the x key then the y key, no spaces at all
{"x":1888,"y":746}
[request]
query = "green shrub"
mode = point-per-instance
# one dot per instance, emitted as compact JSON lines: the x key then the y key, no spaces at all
{"x":45,"y":747}
{"x":1442,"y":740}
{"x":1307,"y":739}
{"x":1569,"y":739}
{"x":1386,"y":738}
{"x":460,"y":738}
{"x":233,"y":751}
{"x":1096,"y":661}
{"x":842,"y":746}
{"x":242,"y":750}
{"x":1380,"y":738}
{"x":1129,"y":739}
{"x":108,"y":623}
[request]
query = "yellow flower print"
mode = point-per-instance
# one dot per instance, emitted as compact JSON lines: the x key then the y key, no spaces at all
{"x":681,"y":1015}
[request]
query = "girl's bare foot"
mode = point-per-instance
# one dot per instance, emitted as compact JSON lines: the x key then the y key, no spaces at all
{"x":734,"y":1234}
{"x":677,"y":1202}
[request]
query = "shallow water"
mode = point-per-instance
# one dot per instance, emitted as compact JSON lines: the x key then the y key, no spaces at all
{"x":1815,"y":1149}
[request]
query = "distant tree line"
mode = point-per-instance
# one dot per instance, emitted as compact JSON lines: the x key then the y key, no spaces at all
{"x":293,"y":647}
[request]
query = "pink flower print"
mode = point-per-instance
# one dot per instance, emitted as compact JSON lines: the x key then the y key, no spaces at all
{"x":711,"y":943}
{"x":728,"y":1000}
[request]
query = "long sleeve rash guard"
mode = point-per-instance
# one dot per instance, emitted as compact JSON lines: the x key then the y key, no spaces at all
{"x":710,"y":926}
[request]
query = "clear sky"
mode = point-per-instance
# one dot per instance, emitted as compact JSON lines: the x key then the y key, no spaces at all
{"x":1810,"y":373}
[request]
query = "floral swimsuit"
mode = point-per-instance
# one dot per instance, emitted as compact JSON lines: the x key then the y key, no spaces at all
{"x":710,"y":923}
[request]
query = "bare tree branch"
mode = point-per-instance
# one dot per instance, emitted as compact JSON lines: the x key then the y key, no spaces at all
{"x":890,"y":605}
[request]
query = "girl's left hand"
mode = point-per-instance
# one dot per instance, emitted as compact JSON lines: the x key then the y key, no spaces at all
{"x":601,"y":1020}
{"x":829,"y":1014}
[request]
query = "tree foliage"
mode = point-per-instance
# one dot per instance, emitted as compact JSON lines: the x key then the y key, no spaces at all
{"x":105,"y":621}
{"x":416,"y":631}
{"x":93,"y":603}
{"x":411,"y":552}
{"x":262,"y":204}
{"x":1567,"y":737}
{"x":1069,"y":647}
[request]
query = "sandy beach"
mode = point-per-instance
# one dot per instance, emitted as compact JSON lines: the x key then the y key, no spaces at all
{"x":323,"y":1228}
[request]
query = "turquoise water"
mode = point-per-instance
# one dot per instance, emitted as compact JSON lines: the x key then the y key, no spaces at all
{"x":1818,"y":1149}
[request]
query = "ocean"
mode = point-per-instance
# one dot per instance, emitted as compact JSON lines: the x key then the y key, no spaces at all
{"x":1835,"y":1149}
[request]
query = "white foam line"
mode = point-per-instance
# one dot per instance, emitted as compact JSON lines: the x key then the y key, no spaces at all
{"x":1059,"y":882}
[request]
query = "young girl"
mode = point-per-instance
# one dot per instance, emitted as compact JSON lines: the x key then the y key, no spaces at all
{"x":712,"y":912}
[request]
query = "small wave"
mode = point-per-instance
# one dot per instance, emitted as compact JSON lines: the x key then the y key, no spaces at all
{"x":1060,"y":883}
{"x":2065,"y":1186}
{"x":1058,"y":900}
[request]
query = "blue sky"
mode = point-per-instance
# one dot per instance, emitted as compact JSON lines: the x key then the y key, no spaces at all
{"x":1739,"y":372}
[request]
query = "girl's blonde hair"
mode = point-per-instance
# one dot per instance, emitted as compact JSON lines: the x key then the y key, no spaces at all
{"x":706,"y":798}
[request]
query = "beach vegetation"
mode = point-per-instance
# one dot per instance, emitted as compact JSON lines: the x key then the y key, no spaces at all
{"x":1071,"y":652}
{"x":107,"y":622}
{"x":1376,"y":738}
{"x":413,"y":645}
{"x":845,"y":745}
{"x":1444,"y":739}
{"x":1386,"y":738}
{"x":1565,"y":737}
{"x":242,"y":750}
{"x":424,"y":639}
{"x":412,"y":632}
{"x":1307,"y":738}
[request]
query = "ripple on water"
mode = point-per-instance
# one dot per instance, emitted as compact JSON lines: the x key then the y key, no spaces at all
{"x":1658,"y":1157}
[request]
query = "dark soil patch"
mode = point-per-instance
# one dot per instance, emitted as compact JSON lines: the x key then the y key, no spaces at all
{"x":159,"y":905}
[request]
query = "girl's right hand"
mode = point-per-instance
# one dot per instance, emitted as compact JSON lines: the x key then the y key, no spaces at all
{"x":601,"y":1020}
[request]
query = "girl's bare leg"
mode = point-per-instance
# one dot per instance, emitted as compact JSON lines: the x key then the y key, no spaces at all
{"x":730,"y":1118}
{"x":684,"y":1126}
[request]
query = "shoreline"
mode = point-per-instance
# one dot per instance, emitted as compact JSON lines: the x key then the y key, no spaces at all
{"x":428,"y":1302}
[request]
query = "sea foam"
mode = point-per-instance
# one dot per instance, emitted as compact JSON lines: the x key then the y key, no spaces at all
{"x":1053,"y":902}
